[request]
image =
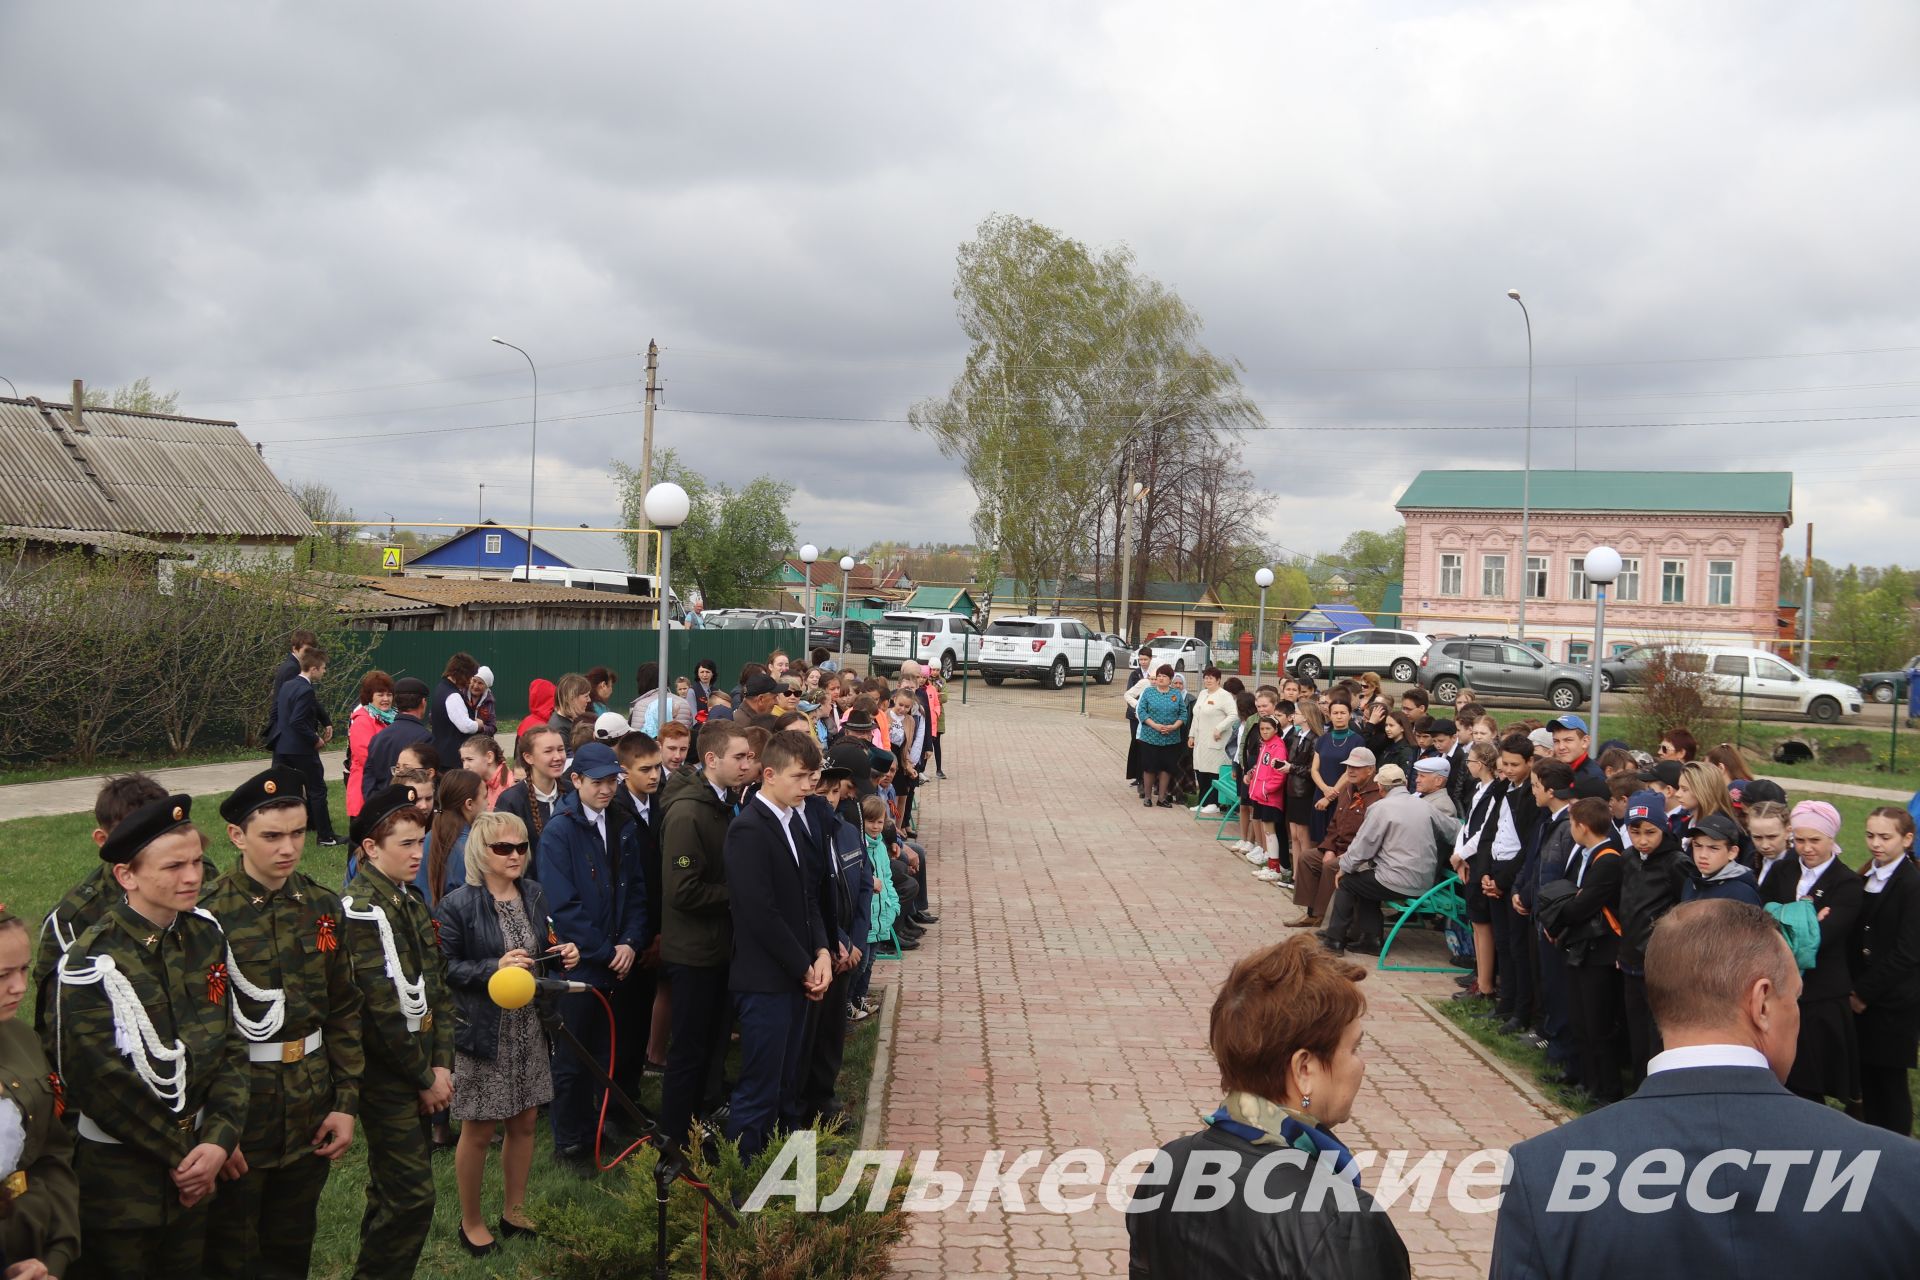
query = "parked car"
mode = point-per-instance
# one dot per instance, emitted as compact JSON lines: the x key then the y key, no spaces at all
{"x":1501,"y":665}
{"x":825,"y":634}
{"x":1044,"y":649}
{"x":746,"y":620}
{"x":1382,"y":650}
{"x":1119,"y":644}
{"x":1887,"y":686}
{"x":1182,"y":653}
{"x":942,"y":640}
{"x":1763,"y":680}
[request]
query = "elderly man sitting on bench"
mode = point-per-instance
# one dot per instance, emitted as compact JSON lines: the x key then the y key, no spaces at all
{"x":1392,"y":857}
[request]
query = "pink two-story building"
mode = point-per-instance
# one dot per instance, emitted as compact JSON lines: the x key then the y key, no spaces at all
{"x":1701,"y":555}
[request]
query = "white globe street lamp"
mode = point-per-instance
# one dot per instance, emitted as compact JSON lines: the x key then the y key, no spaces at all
{"x":666,"y":506}
{"x":1263,"y":578}
{"x":1602,"y":568}
{"x":846,"y":568}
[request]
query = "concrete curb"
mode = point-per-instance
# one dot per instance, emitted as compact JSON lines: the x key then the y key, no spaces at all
{"x":1531,"y":1092}
{"x":875,"y":1118}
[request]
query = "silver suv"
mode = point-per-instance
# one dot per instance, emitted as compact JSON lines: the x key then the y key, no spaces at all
{"x":1501,"y":665}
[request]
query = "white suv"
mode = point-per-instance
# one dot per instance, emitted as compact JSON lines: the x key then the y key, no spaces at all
{"x":1384,"y":651}
{"x":1046,"y":649}
{"x":1771,"y":683}
{"x":935,"y":640}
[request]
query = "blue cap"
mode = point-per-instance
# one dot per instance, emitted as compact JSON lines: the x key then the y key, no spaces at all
{"x":1647,"y":806}
{"x":594,"y":761}
{"x":1569,"y":722}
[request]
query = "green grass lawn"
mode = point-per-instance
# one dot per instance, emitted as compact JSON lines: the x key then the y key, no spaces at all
{"x":44,"y":857}
{"x":123,"y":764}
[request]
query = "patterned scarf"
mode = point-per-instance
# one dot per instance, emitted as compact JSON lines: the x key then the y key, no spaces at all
{"x":1271,"y":1124}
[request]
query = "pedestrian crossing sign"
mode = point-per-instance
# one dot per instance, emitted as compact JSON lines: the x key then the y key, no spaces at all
{"x":389,"y":557}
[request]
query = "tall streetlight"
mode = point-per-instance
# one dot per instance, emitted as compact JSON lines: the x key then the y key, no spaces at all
{"x":1602,"y":567}
{"x":480,"y":514}
{"x":808,"y":554}
{"x":1135,"y":492}
{"x":846,"y":573}
{"x":1526,"y":476}
{"x":666,"y":506}
{"x":1263,"y":578}
{"x":533,"y":453}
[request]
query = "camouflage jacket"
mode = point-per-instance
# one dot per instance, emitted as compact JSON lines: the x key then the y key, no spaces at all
{"x":412,"y":976}
{"x":290,"y":942}
{"x":177,"y":976}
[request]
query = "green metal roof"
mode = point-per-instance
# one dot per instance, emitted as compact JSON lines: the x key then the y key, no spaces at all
{"x":1766,"y":492}
{"x":939,"y":600}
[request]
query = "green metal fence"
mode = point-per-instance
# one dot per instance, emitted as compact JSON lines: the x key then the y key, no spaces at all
{"x":520,"y":657}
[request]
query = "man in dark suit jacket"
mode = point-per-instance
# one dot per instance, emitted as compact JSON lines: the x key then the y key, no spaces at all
{"x":289,"y":668}
{"x":780,"y":955}
{"x":1713,"y":1166}
{"x":297,"y":735}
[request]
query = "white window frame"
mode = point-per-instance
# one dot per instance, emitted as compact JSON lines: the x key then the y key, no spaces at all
{"x":1719,"y":584}
{"x":1627,"y":586}
{"x":1453,"y":563}
{"x":1493,"y":575}
{"x":1673,"y":573}
{"x":1541,"y":566}
{"x":493,"y":544}
{"x":1578,"y":588}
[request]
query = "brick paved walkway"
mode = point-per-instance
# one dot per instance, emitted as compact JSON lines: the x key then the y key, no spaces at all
{"x":1062,"y":1001}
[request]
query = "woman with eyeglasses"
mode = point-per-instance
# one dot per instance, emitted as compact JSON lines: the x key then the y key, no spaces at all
{"x":497,"y":920}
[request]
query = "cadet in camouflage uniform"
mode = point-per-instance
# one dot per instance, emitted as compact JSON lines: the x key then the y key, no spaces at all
{"x":406,"y":1028}
{"x":155,"y":1072}
{"x":87,"y":901}
{"x":298,"y":1008}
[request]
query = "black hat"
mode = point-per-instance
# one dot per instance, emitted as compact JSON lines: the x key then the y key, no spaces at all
{"x":1758,"y":790}
{"x":847,"y":760}
{"x":1443,"y":727}
{"x":857,"y":722}
{"x":1665,"y":772}
{"x":1585,"y":787}
{"x":381,"y":803}
{"x":761,"y":685}
{"x":274,"y":787}
{"x":410,"y":684}
{"x":1718,"y":826}
{"x":145,"y":825}
{"x":879,"y":761}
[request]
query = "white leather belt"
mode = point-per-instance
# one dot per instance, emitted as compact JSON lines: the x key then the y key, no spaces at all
{"x":94,"y":1133}
{"x":413,"y":1024}
{"x":284,"y":1051}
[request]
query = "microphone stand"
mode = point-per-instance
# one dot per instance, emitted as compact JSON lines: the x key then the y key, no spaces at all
{"x":670,"y":1165}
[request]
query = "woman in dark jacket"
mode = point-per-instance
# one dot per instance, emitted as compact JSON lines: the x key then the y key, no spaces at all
{"x":500,"y":1072}
{"x":449,"y":712}
{"x":1286,"y":1031}
{"x":1885,"y":961}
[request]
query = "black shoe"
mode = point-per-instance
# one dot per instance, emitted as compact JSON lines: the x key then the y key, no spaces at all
{"x":1146,"y":802}
{"x":508,"y":1231}
{"x":1463,"y":980}
{"x":1365,"y":948}
{"x":1512,"y":1027}
{"x":939,"y":775}
{"x":924,"y":917}
{"x":1469,"y":993}
{"x":1335,"y":947}
{"x":909,"y":944}
{"x":910,"y":931}
{"x":477,"y":1250}
{"x":333,"y":842}
{"x":575,"y":1160}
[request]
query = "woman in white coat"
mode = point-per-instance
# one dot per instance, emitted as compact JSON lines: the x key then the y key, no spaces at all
{"x":1213,"y":721}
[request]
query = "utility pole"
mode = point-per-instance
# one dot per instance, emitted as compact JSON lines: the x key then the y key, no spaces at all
{"x":1806,"y":606}
{"x":646,"y":451}
{"x":480,"y":513}
{"x":1126,"y":548}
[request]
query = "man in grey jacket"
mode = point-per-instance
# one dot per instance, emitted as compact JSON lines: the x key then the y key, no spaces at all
{"x":1712,"y":1167}
{"x":1393,"y":856}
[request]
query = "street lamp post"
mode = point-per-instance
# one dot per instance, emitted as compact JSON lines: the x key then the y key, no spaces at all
{"x":846,"y":571}
{"x":1262,"y":576}
{"x":533,"y":454}
{"x":808,"y":554}
{"x":1526,"y":475}
{"x":480,"y":513}
{"x":1602,"y":567}
{"x":666,"y":506}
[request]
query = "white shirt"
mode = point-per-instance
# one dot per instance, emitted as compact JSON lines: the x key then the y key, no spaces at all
{"x":598,"y":817}
{"x":544,"y":797}
{"x":1767,"y":865}
{"x":457,"y":712}
{"x":1877,"y":877}
{"x":1708,"y":1055}
{"x":785,"y":816}
{"x":1808,"y":875}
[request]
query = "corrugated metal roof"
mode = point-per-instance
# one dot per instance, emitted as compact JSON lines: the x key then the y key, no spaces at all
{"x":1765,"y":492}
{"x":101,"y":539}
{"x":454,"y":592}
{"x":138,"y":473}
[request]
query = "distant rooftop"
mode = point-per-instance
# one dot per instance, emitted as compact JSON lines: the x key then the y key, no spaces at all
{"x":1751,"y":492}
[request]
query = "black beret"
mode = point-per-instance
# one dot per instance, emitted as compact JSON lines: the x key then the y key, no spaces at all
{"x":759,"y":686}
{"x":381,"y":803}
{"x":276,"y":786}
{"x":1444,"y":727}
{"x":410,"y":684}
{"x":145,"y":825}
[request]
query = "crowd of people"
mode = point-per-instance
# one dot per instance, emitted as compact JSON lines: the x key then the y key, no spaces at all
{"x":1565,"y":855}
{"x":712,"y":865}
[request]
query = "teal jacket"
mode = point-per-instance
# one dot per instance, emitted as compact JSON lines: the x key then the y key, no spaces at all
{"x":886,"y":903}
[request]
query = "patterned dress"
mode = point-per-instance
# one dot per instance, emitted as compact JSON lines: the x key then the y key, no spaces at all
{"x":518,"y":1075}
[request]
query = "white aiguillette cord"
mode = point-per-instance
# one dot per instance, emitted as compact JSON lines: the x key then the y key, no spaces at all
{"x":133,"y":1030}
{"x":412,"y":993}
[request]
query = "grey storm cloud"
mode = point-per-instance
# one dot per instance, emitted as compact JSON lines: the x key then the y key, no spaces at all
{"x":311,"y":219}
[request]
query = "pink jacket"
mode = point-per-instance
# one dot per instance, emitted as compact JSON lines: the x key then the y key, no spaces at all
{"x":1268,"y":785}
{"x":361,"y":728}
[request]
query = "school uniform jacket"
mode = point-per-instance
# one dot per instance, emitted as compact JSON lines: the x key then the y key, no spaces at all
{"x":1778,"y":882}
{"x":1598,"y":895}
{"x":1885,"y":961}
{"x":1839,"y":892}
{"x":777,"y":927}
{"x":296,"y":719}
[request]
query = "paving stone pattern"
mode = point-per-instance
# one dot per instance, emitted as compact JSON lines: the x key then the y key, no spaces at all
{"x":1062,"y":1002}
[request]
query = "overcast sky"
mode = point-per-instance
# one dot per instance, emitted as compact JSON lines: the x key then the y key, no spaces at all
{"x":311,"y":218}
